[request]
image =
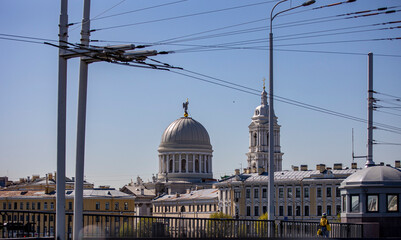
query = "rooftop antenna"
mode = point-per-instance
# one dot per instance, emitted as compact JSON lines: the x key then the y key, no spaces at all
{"x":353,"y":155}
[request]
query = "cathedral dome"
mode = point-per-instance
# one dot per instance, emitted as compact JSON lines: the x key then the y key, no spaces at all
{"x":185,"y":132}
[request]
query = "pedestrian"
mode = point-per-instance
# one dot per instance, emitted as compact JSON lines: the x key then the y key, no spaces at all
{"x":324,"y":225}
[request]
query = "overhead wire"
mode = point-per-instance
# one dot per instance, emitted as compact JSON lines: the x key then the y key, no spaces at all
{"x":183,"y":16}
{"x":281,"y":99}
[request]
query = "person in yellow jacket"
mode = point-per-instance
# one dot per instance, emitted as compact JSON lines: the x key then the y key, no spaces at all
{"x":324,"y":225}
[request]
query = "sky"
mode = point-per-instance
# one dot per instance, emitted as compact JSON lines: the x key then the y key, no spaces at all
{"x":320,"y":59}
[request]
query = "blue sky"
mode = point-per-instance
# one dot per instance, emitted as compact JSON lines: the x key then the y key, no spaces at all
{"x":129,"y":108}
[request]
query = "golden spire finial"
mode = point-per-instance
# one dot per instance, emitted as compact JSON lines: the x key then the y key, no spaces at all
{"x":185,"y":107}
{"x":264,"y":82}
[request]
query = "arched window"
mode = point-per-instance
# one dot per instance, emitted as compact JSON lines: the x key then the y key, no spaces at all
{"x":207,"y":166}
{"x":165,"y":165}
{"x":203,"y":165}
{"x":196,"y":165}
{"x":255,"y":137}
{"x":170,"y":167}
{"x":183,"y":165}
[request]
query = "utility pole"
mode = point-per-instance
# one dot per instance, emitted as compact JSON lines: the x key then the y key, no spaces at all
{"x":369,"y":158}
{"x":61,"y":122}
{"x":80,"y":151}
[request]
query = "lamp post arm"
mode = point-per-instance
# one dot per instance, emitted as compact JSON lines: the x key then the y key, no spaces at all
{"x":271,"y":13}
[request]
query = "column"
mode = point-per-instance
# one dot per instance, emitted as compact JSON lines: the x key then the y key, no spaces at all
{"x":179,"y":163}
{"x":168,"y":164}
{"x":186,"y":163}
{"x":204,"y":163}
{"x":173,"y":163}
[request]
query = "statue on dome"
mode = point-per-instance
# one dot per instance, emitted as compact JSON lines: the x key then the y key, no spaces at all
{"x":185,"y":107}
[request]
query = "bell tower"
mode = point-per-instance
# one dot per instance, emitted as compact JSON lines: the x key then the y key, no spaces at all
{"x":258,"y":155}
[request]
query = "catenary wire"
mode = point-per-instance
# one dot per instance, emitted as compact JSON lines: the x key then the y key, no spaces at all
{"x":183,"y":16}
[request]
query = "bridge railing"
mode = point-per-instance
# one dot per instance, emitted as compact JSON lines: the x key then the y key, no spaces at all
{"x":15,"y":224}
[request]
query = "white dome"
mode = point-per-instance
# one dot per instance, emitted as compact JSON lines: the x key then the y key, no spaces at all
{"x":184,"y":133}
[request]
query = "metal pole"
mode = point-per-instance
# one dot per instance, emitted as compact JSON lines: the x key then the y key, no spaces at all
{"x":369,"y":159}
{"x":61,"y":123}
{"x":270,"y":199}
{"x":80,"y":154}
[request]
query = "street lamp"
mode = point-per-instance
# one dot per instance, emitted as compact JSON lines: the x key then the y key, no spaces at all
{"x":271,"y":111}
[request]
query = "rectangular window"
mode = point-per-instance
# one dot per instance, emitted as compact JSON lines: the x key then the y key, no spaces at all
{"x":338,"y":192}
{"x":289,"y":210}
{"x":44,"y":205}
{"x":328,"y":192}
{"x":373,"y":203}
{"x":52,"y":205}
{"x":298,"y":211}
{"x":281,"y":210}
{"x":256,"y":193}
{"x":21,"y":206}
{"x":116,"y":206}
{"x":264,"y":193}
{"x":319,"y":210}
{"x":125,"y":206}
{"x":281,"y":192}
{"x":392,"y":202}
{"x":27,"y":206}
{"x":237,"y":195}
{"x":319,"y":192}
{"x":97,"y":206}
{"x":69,"y":205}
{"x":256,"y":208}
{"x":344,"y":203}
{"x":4,"y":206}
{"x":297,"y":192}
{"x":264,"y":209}
{"x":248,"y":193}
{"x":9,"y":205}
{"x":306,"y":192}
{"x":328,"y":208}
{"x":354,"y":203}
{"x":107,"y":206}
{"x":338,"y":209}
{"x":248,"y":211}
{"x":15,"y":206}
{"x":38,"y":205}
{"x":33,"y":206}
{"x":289,"y":192}
{"x":306,"y":211}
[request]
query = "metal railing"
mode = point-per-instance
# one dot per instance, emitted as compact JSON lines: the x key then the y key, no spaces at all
{"x":15,"y":224}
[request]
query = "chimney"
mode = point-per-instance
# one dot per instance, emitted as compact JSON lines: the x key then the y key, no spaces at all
{"x":295,"y":168}
{"x":338,"y":166}
{"x":354,"y":165}
{"x":304,"y":167}
{"x":321,"y":167}
{"x":236,"y":171}
{"x":397,"y":164}
{"x":50,"y":176}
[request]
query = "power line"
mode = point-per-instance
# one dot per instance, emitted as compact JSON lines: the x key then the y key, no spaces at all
{"x":21,"y":40}
{"x":282,"y":99}
{"x":388,"y":113}
{"x":183,"y":16}
{"x":388,"y":95}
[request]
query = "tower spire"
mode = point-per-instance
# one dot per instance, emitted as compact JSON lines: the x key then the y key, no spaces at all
{"x":264,"y":93}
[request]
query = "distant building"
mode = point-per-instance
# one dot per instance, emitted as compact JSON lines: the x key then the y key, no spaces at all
{"x":103,"y":201}
{"x":3,"y":182}
{"x":143,"y":197}
{"x":193,"y":204}
{"x":300,"y":195}
{"x":36,"y":182}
